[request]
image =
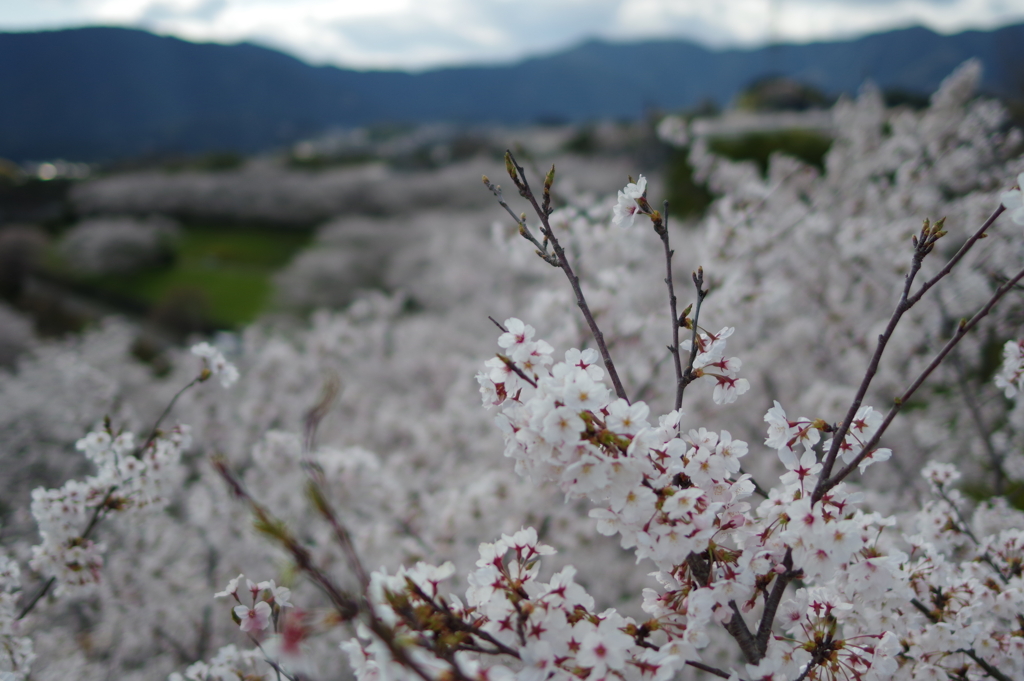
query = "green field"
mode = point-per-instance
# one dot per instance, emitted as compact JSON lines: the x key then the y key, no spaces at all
{"x":225,"y":271}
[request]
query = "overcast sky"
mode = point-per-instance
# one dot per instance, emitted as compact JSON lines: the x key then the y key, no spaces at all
{"x":418,"y":34}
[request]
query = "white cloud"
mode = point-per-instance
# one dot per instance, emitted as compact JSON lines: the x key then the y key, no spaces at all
{"x":417,"y":34}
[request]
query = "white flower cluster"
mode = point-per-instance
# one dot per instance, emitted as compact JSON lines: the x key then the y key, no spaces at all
{"x":257,"y":617}
{"x":126,"y":479}
{"x":681,"y":501}
{"x":551,"y":625}
{"x":784,"y":435}
{"x":268,"y":603}
{"x":865,"y":609}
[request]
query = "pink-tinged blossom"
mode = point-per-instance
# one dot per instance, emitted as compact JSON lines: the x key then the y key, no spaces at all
{"x":626,"y":208}
{"x":256,"y":618}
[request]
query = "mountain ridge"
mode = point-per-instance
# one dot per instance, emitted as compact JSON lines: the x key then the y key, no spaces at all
{"x":101,"y":93}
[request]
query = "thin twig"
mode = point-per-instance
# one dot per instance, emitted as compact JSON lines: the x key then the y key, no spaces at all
{"x":518,"y":176}
{"x":455,"y":622}
{"x":94,"y":520}
{"x":170,"y":405}
{"x":709,"y":669}
{"x":661,"y":228}
{"x":347,"y":606}
{"x":688,"y":377}
{"x":498,"y":324}
{"x":923,"y":245}
{"x":519,"y":372}
{"x":962,"y":329}
{"x":341,"y":532}
{"x":266,"y":658}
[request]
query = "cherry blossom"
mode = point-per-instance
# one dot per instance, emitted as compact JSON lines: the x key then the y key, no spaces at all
{"x":628,"y":206}
{"x":255,"y":618}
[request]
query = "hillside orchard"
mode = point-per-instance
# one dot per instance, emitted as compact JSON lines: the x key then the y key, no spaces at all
{"x":784,"y":442}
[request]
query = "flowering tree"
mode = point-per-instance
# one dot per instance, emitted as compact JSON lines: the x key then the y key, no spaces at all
{"x":779,"y":566}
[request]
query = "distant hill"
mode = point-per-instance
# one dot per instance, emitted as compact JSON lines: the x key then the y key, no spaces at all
{"x":95,"y":94}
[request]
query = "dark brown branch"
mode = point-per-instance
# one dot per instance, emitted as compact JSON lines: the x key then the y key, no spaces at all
{"x":922,"y":247}
{"x":518,"y":176}
{"x":771,"y":604}
{"x":737,"y":628}
{"x":45,"y":589}
{"x":962,"y":329}
{"x":524,"y":229}
{"x":709,"y":669}
{"x":979,"y":234}
{"x":346,"y":605}
{"x":341,"y":532}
